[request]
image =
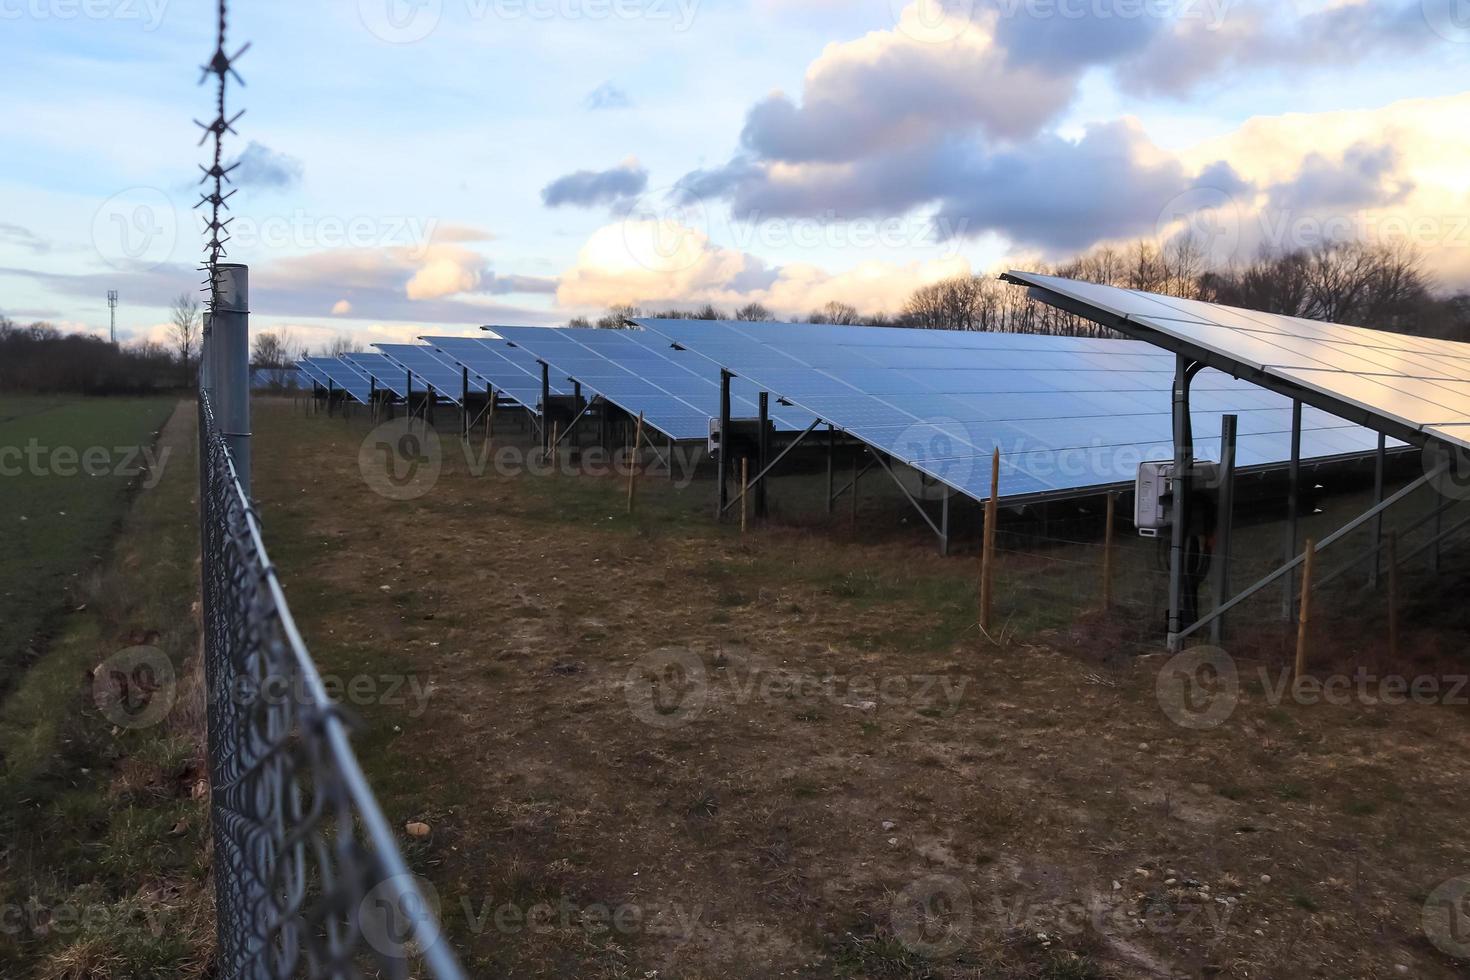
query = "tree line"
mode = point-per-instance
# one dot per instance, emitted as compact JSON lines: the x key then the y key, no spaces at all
{"x":1372,"y":285}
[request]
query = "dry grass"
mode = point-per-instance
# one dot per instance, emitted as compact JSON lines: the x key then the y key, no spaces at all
{"x":770,"y":833}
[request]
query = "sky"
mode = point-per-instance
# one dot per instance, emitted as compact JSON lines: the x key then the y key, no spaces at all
{"x":427,"y":166}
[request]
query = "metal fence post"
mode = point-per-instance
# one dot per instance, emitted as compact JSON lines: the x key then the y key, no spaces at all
{"x":230,"y":329}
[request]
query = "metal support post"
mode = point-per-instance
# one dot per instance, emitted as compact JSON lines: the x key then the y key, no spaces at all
{"x":724,"y":461}
{"x":230,"y":333}
{"x":1224,"y":521}
{"x":831,"y":454}
{"x":545,"y":410}
{"x":763,"y":452}
{"x":1293,"y":508}
{"x":1379,"y":465}
{"x":464,"y":404}
{"x":1184,"y":371}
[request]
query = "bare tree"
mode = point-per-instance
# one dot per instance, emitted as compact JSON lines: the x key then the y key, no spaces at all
{"x":184,"y":329}
{"x":708,"y":312}
{"x":838,"y":313}
{"x":342,"y":344}
{"x":617,"y":316}
{"x":579,"y":322}
{"x":269,"y":350}
{"x":753,"y":313}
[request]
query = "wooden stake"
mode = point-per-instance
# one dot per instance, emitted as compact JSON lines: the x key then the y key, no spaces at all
{"x":490,"y":427}
{"x":1393,"y":597}
{"x":744,"y":489}
{"x":1107,"y":582}
{"x":1305,"y":616}
{"x":633,"y":461}
{"x":552,"y":453}
{"x":987,"y":557}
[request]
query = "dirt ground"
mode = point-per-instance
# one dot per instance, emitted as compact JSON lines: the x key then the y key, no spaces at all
{"x":651,"y":747}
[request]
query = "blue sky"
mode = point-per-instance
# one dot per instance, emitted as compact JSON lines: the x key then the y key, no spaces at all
{"x":429,"y":165}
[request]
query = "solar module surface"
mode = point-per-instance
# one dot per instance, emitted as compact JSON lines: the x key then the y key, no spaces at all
{"x":388,"y":376}
{"x":428,"y":370}
{"x":1068,"y":414}
{"x":1418,"y":382}
{"x":510,"y":371}
{"x":676,"y":396}
{"x":341,"y":376}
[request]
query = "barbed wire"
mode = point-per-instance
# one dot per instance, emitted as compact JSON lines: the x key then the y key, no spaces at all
{"x":216,"y":227}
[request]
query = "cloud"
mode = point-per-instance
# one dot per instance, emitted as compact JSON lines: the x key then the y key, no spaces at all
{"x":23,"y":238}
{"x":260,"y":166}
{"x":607,"y":96}
{"x":1364,"y":176}
{"x":894,"y":88}
{"x":665,"y":263}
{"x":591,"y":188}
{"x":341,"y":308}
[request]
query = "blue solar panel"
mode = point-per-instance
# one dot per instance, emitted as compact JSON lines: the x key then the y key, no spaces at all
{"x":383,"y":372}
{"x":326,"y":370}
{"x":675,"y":393}
{"x":1068,"y":414}
{"x":428,"y":370}
{"x":510,"y":372}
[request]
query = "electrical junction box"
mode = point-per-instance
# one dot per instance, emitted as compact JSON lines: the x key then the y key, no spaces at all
{"x":714,"y":436}
{"x":1153,"y":493}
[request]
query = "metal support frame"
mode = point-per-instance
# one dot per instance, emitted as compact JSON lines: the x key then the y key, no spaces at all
{"x":545,"y":409}
{"x":1224,"y":522}
{"x":831,"y":459}
{"x":1375,"y":550}
{"x":760,"y":477}
{"x":763,"y":450}
{"x":464,"y":405}
{"x":1326,"y":542}
{"x":648,"y":441}
{"x":1182,"y":486}
{"x":941,"y":531}
{"x":1380,"y":462}
{"x":577,"y":418}
{"x":722,"y":502}
{"x":857,"y":474}
{"x":1293,"y":510}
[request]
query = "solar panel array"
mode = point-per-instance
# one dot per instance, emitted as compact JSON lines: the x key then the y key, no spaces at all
{"x":510,"y":371}
{"x":428,"y":370}
{"x":1419,"y":382}
{"x":676,"y":395}
{"x":343,"y":377}
{"x":1068,"y":414}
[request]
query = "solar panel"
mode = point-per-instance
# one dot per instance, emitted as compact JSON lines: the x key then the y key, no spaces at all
{"x":427,"y":369}
{"x":283,"y":377}
{"x":512,"y":373}
{"x":387,"y":375}
{"x":325,"y":370}
{"x":1069,"y":415}
{"x":675,"y":397}
{"x":1403,"y":384}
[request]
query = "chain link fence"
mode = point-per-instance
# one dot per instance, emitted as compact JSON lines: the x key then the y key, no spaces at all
{"x":309,"y":879}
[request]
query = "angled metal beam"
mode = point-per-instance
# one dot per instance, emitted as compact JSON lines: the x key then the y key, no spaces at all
{"x":756,"y":480}
{"x":905,"y":491}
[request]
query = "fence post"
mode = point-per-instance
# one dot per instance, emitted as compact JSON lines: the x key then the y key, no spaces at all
{"x":744,"y":490}
{"x":1304,"y":617}
{"x":230,"y":339}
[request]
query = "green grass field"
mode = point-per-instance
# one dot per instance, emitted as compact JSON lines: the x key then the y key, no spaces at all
{"x":65,"y":468}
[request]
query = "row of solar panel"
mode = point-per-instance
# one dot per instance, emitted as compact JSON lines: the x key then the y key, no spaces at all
{"x":1068,"y":414}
